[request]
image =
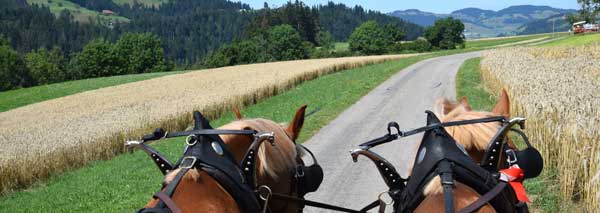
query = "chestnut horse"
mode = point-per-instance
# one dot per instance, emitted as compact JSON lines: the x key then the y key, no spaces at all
{"x":474,"y":138}
{"x":199,"y":192}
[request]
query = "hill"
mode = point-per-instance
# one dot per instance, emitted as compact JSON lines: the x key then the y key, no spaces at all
{"x":488,"y":23}
{"x":341,"y":20}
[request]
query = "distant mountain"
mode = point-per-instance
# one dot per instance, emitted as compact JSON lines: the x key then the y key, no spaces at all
{"x":489,"y":23}
{"x":417,"y":16}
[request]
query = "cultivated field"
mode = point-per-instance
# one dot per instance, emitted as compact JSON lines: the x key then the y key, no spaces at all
{"x":49,"y":137}
{"x":557,"y":89}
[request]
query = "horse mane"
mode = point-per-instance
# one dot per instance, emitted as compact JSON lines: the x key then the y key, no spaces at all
{"x":471,"y":136}
{"x":274,"y":160}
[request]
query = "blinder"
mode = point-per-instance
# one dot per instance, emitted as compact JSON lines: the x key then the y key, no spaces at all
{"x":308,"y":178}
{"x":529,"y":160}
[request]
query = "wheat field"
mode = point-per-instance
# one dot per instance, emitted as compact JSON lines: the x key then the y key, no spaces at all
{"x":558,"y":89}
{"x":49,"y":137}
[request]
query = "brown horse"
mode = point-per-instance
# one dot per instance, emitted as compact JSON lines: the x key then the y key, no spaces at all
{"x":474,"y":138}
{"x":199,"y":192}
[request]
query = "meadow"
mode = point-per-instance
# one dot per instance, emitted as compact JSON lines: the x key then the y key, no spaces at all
{"x":556,"y":88}
{"x":511,"y":40}
{"x":575,"y":40}
{"x":71,"y":131}
{"x":81,"y":14}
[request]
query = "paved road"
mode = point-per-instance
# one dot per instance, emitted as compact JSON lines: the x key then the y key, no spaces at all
{"x":402,"y":98}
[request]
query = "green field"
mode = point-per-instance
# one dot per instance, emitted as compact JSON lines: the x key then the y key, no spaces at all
{"x":81,"y":14}
{"x":341,"y":46}
{"x":542,"y":190}
{"x":575,"y":40}
{"x":128,"y":181}
{"x":154,"y":3}
{"x":501,"y":41}
{"x":20,"y":97}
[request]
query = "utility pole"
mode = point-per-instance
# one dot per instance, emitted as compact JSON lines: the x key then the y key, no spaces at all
{"x":553,"y":21}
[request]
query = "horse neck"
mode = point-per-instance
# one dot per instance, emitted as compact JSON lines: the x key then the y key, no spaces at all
{"x":199,"y":192}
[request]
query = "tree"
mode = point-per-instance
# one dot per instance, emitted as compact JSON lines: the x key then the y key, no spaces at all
{"x":140,"y":53}
{"x":394,"y":32}
{"x":46,"y":66}
{"x":325,"y":40}
{"x":446,"y":33}
{"x":96,"y":60}
{"x":589,"y":10}
{"x":285,"y":43}
{"x":369,"y":39}
{"x":13,"y":73}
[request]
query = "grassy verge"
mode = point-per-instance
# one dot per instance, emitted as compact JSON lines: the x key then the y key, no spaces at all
{"x":575,"y":40}
{"x":20,"y":97}
{"x":127,"y":181}
{"x":542,"y":190}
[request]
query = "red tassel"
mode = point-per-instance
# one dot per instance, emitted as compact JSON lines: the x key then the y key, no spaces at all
{"x":515,"y":175}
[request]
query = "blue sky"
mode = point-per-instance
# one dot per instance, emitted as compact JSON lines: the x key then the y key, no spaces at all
{"x":436,"y":6}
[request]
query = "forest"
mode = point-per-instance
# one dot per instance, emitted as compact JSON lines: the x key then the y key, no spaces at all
{"x":188,"y":33}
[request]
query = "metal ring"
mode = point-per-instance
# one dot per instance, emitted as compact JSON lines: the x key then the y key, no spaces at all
{"x":391,"y":199}
{"x":266,"y":190}
{"x":189,"y":138}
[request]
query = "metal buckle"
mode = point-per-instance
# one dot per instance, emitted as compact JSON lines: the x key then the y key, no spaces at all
{"x":299,"y":172}
{"x":511,"y":156}
{"x":191,"y":140}
{"x":186,"y":166}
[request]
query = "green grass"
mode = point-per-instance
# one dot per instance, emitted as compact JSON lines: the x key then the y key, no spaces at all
{"x":468,"y":84}
{"x":81,"y":14}
{"x":20,"y":97}
{"x":128,"y":181}
{"x":501,"y":41}
{"x":542,"y":190}
{"x":341,"y":46}
{"x":154,"y":3}
{"x":575,"y":40}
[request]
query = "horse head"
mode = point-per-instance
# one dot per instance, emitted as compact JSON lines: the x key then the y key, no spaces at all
{"x":475,"y":139}
{"x":276,"y":166}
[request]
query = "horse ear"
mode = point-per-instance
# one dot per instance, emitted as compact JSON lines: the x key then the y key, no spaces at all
{"x":442,"y":107}
{"x":295,"y":126}
{"x":503,"y":105}
{"x":465,"y":103}
{"x":237,"y":113}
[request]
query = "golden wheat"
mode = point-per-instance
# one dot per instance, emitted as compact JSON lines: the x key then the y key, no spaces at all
{"x":557,"y":88}
{"x":49,"y":137}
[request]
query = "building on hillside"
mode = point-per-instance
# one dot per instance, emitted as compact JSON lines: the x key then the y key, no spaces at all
{"x":108,"y":12}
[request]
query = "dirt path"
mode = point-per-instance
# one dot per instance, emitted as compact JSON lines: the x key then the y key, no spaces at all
{"x":402,"y":98}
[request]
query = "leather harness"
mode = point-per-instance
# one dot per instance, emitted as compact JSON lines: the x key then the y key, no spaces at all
{"x":206,"y":151}
{"x":439,"y":155}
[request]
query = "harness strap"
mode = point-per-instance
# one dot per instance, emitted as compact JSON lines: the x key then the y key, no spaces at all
{"x":211,"y":132}
{"x":445,"y":170}
{"x":168,"y":201}
{"x":170,"y":189}
{"x":485,"y":198}
{"x":370,"y":206}
{"x":453,"y":123}
{"x":312,"y":203}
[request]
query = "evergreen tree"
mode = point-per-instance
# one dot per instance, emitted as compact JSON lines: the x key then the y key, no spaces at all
{"x":13,"y":73}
